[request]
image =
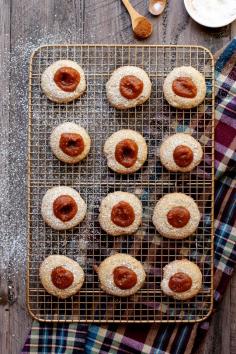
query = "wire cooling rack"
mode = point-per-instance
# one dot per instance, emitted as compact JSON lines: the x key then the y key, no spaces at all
{"x":87,"y":243}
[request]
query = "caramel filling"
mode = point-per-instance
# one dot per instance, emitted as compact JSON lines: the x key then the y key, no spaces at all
{"x":178,"y":217}
{"x":184,"y":87}
{"x":122,"y":214}
{"x":65,"y":207}
{"x":183,"y":156}
{"x":180,"y":282}
{"x":62,"y":278}
{"x":131,"y":87}
{"x":126,"y":152}
{"x":67,"y":79}
{"x":124,"y":277}
{"x":71,"y":144}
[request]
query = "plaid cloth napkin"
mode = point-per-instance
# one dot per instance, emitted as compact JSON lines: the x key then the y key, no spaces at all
{"x":169,"y":338}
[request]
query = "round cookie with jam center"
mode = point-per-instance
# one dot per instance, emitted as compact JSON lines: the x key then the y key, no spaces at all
{"x":176,"y":216}
{"x":126,"y":151}
{"x":63,"y":81}
{"x":63,"y":208}
{"x":121,"y":275}
{"x":184,"y":87}
{"x":120,"y":213}
{"x":182,"y":279}
{"x":180,"y":153}
{"x":61,"y":276}
{"x":70,"y":142}
{"x":128,"y":87}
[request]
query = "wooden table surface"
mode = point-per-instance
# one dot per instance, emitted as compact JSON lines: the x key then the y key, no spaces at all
{"x":25,"y":24}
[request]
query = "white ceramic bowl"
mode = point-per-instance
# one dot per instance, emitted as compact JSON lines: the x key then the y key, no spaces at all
{"x":205,"y":20}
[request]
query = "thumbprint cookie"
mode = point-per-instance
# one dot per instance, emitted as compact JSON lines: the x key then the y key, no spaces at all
{"x":126,"y":151}
{"x":63,"y":208}
{"x":180,"y":153}
{"x":120,"y":213}
{"x":176,"y":216}
{"x":182,"y":279}
{"x":70,"y":142}
{"x":184,"y":87}
{"x":121,"y":275}
{"x":128,"y":87}
{"x":61,"y":276}
{"x":63,"y":81}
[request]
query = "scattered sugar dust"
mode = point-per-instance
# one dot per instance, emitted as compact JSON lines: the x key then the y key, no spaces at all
{"x":13,"y":152}
{"x":14,"y":66}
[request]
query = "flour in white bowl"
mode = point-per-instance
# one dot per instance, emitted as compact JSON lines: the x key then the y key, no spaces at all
{"x":214,"y":12}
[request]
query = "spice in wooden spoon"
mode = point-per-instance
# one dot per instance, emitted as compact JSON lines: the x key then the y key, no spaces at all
{"x":141,"y":26}
{"x":156,"y":7}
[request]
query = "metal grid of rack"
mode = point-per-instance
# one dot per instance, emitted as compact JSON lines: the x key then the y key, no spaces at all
{"x":87,"y":243}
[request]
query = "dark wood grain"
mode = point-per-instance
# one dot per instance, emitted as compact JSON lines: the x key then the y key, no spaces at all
{"x":221,"y":338}
{"x":232,"y":310}
{"x":25,"y":23}
{"x":30,"y":24}
{"x":4,"y":122}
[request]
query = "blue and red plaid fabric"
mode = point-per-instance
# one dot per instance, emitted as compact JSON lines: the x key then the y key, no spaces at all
{"x":169,"y":338}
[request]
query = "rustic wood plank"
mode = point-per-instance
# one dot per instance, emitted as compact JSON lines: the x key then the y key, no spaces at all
{"x":109,"y":22}
{"x":232,"y":310}
{"x":221,"y":326}
{"x":32,"y":23}
{"x":233,"y":30}
{"x":221,"y":337}
{"x":4,"y":123}
{"x":103,"y":22}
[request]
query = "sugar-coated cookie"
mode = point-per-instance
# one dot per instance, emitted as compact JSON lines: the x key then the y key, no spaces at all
{"x":182,"y":279}
{"x":184,"y":87}
{"x":63,"y":208}
{"x":70,"y":142}
{"x":180,"y":153}
{"x":120,"y":213}
{"x":176,"y":216}
{"x":63,"y":81}
{"x":128,"y":87}
{"x":126,"y":151}
{"x":61,"y":276}
{"x":121,"y":275}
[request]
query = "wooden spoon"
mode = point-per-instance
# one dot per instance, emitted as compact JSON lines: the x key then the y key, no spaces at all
{"x":156,"y":7}
{"x":141,"y":26}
